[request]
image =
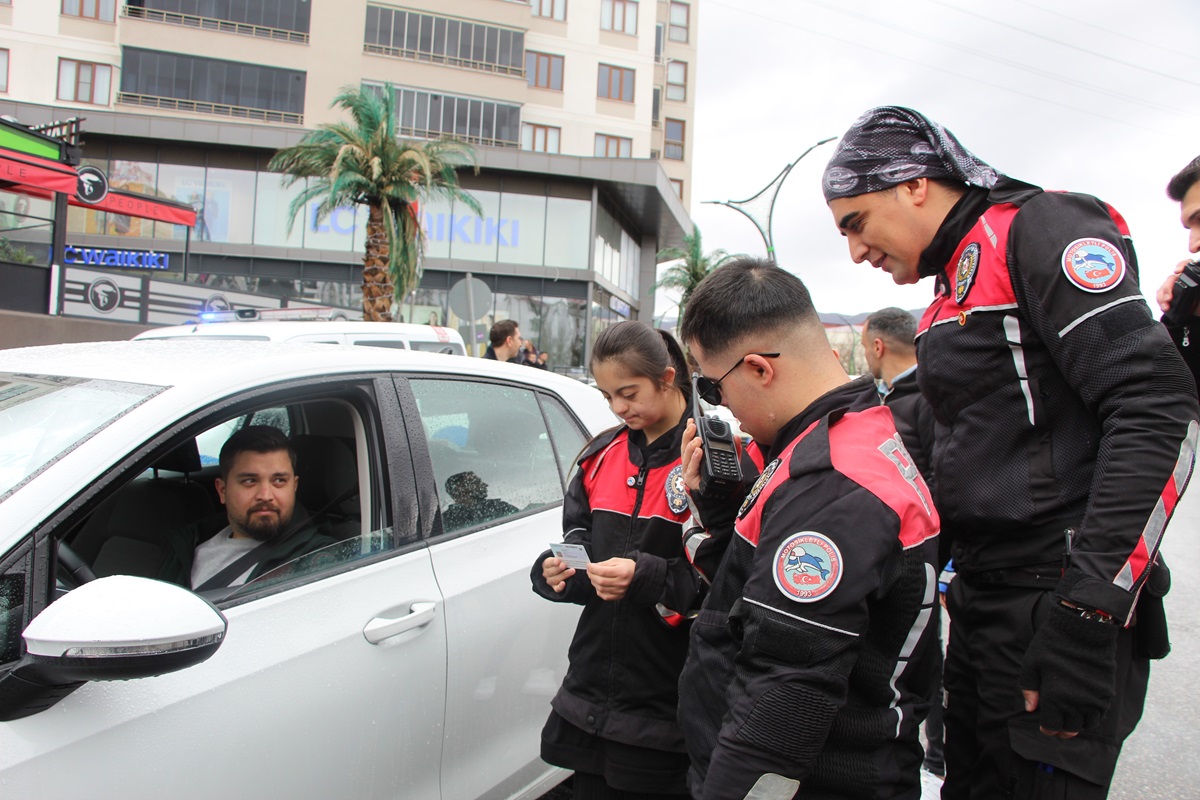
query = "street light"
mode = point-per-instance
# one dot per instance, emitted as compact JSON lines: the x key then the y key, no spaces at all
{"x":767,"y":197}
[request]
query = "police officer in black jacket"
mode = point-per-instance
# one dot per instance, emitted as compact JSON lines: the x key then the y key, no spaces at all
{"x":1066,"y":433}
{"x":1184,"y":189}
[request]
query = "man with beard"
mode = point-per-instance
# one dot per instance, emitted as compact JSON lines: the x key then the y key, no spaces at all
{"x":264,"y":526}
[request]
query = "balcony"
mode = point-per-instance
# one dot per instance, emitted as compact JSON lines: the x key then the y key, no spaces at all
{"x":211,"y":24}
{"x":484,"y":141}
{"x":216,"y":109}
{"x":446,"y":60}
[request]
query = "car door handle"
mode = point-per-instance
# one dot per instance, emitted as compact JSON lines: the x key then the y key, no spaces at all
{"x":380,"y":628}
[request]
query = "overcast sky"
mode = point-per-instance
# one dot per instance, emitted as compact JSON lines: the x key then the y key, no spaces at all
{"x":1096,"y":96}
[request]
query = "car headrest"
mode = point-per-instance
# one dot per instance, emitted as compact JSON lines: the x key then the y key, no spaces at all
{"x":185,"y":458}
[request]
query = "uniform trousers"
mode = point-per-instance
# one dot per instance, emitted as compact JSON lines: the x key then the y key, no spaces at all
{"x":994,"y":750}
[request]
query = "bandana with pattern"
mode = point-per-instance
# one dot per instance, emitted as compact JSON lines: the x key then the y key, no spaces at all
{"x":890,"y":145}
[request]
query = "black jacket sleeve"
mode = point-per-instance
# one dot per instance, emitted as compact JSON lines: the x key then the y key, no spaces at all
{"x":1127,"y":373}
{"x":577,"y":529}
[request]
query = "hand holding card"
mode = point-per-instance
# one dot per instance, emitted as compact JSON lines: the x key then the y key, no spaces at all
{"x":573,"y":555}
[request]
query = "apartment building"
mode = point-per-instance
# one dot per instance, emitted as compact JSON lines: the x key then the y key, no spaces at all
{"x":581,"y":112}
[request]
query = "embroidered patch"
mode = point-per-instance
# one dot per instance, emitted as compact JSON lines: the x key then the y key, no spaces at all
{"x":1093,"y":265}
{"x":676,"y":490}
{"x":767,"y":472}
{"x":964,"y":275}
{"x":808,"y":566}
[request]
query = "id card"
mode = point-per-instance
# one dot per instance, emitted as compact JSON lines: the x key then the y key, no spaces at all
{"x":573,"y":555}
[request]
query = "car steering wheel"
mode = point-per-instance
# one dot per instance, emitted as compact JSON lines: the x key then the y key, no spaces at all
{"x":78,"y":572}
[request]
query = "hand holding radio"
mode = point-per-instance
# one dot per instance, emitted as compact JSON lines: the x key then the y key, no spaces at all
{"x":1180,"y":293}
{"x":720,"y":468}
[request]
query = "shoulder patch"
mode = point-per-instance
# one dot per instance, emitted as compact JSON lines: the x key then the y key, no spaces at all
{"x":676,"y":490}
{"x":964,"y":275}
{"x":808,"y":567}
{"x":1093,"y":265}
{"x":762,"y":481}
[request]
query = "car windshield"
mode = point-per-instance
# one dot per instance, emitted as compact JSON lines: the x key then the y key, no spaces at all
{"x":42,"y":418}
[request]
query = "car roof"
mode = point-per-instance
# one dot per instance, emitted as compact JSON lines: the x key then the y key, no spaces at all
{"x":183,"y":362}
{"x":278,"y":330}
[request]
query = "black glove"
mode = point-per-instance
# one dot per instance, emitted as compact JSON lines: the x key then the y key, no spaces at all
{"x":1072,"y":663}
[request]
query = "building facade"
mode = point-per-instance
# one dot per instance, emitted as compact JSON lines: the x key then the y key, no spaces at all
{"x":581,"y":112}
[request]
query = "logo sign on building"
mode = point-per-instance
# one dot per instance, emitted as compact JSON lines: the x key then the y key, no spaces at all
{"x":618,"y":305}
{"x":92,"y":186}
{"x":125,"y":259}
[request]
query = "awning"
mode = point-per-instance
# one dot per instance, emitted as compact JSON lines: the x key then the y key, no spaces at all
{"x":121,"y":202}
{"x":41,"y":173}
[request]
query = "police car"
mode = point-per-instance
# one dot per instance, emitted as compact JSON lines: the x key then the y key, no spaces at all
{"x":312,"y":325}
{"x":406,"y":659}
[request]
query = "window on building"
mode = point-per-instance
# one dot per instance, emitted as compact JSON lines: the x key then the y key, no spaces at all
{"x":619,"y":16}
{"x":84,"y":82}
{"x":103,"y":10}
{"x":543,"y":70}
{"x":660,"y":33}
{"x":615,"y":83}
{"x":209,"y":80}
{"x":3,"y":68}
{"x":674,"y":139}
{"x":677,"y":80}
{"x":656,"y":107}
{"x":554,"y":9}
{"x":613,"y":146}
{"x":540,"y":138}
{"x":284,"y":15}
{"x":427,"y":114}
{"x":678,"y":186}
{"x":679,"y":22}
{"x":442,"y":40}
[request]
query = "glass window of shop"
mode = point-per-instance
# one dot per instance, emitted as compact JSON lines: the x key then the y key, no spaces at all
{"x":617,"y":255}
{"x":26,"y":229}
{"x":479,"y":238}
{"x":184,"y":184}
{"x":568,"y":227}
{"x":271,"y":212}
{"x":228,"y":211}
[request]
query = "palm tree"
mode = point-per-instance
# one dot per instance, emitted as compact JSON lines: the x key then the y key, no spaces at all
{"x":364,"y":163}
{"x":693,"y":267}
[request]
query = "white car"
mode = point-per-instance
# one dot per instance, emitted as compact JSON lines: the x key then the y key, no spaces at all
{"x":298,"y":325}
{"x":409,"y":659}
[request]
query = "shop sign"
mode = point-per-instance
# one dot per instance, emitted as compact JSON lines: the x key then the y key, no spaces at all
{"x":125,"y":259}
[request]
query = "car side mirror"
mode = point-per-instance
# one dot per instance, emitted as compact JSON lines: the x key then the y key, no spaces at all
{"x":111,"y":629}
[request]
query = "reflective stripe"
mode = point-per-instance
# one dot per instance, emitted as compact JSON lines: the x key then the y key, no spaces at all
{"x":799,"y":619}
{"x":910,"y":643}
{"x":968,"y":312}
{"x":693,"y":543}
{"x":1094,"y":312}
{"x":773,"y":787}
{"x":1012,"y":331}
{"x":1135,"y":566}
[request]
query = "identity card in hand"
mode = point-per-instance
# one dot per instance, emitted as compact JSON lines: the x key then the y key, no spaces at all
{"x":573,"y":555}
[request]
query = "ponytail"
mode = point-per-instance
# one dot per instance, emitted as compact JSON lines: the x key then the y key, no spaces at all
{"x":646,"y":352}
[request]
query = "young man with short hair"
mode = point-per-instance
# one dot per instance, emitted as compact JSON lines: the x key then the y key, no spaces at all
{"x":504,"y":341}
{"x":809,"y":666}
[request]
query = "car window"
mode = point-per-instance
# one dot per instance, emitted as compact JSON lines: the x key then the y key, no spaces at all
{"x":490,"y":449}
{"x":395,"y":344}
{"x":211,"y":440}
{"x":169,"y":519}
{"x":12,"y":614}
{"x":569,"y":438}
{"x":449,"y":348}
{"x":43,"y":418}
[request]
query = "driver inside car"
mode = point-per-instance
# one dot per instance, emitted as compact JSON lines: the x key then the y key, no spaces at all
{"x":263,"y":525}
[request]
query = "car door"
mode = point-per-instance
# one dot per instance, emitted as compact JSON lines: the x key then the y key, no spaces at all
{"x":331,"y":679}
{"x":500,"y":479}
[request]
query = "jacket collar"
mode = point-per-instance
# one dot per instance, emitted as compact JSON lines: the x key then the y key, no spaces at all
{"x":855,"y":395}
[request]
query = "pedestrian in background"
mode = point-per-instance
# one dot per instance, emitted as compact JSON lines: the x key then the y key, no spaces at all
{"x":614,"y":719}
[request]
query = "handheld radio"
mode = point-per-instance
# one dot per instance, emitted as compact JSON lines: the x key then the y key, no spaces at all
{"x":720,"y":470}
{"x":1184,"y":295}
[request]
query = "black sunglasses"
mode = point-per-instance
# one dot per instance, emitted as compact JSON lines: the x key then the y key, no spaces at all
{"x":710,"y":390}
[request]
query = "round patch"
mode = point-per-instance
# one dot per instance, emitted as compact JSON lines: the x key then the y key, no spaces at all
{"x":676,"y":490}
{"x":1093,"y":265}
{"x":964,"y":276}
{"x":840,"y":179}
{"x":808,"y":567}
{"x":767,"y":472}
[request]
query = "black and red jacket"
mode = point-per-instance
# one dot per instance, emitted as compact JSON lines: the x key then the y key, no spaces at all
{"x":626,"y":655}
{"x":1060,"y":403}
{"x":811,"y":660}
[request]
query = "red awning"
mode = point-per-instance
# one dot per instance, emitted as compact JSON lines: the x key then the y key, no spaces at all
{"x":41,"y":173}
{"x":133,"y":205}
